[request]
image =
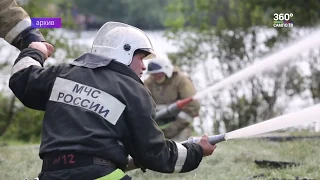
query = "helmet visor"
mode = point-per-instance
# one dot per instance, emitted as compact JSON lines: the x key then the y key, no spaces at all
{"x":149,"y":53}
{"x":153,"y":68}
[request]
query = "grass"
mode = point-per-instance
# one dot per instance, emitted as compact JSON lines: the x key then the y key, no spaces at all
{"x":232,"y":160}
{"x":11,"y":143}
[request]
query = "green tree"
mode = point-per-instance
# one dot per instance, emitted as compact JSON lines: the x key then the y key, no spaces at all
{"x":144,"y":14}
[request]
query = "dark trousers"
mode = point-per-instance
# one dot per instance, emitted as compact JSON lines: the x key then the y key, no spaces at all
{"x":82,"y":173}
{"x":76,"y":166}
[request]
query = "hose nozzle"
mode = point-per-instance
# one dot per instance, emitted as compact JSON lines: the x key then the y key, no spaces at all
{"x":212,"y":139}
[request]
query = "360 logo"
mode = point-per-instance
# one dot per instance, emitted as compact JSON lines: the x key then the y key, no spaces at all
{"x":282,"y":20}
{"x":282,"y":16}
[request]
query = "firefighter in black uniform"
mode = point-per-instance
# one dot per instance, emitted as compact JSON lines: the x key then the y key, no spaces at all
{"x":98,"y":111}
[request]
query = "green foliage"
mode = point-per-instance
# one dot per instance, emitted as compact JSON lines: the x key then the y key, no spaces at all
{"x":175,"y":18}
{"x":26,"y":126}
{"x":3,"y":112}
{"x":144,"y":14}
{"x":305,"y":13}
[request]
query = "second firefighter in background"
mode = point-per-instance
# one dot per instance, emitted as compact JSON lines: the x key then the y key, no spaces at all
{"x":167,"y":84}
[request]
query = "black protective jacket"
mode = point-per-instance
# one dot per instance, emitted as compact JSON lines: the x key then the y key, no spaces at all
{"x":100,"y":107}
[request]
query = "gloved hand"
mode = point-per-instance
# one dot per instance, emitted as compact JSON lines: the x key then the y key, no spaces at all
{"x":26,"y":37}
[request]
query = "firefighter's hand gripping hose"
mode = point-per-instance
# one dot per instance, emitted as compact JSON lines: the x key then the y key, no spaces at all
{"x":207,"y":151}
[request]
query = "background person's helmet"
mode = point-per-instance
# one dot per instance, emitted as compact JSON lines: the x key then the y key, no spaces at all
{"x":119,"y":41}
{"x":161,"y":63}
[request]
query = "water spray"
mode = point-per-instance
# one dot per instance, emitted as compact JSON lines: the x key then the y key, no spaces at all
{"x":307,"y":115}
{"x":268,"y":63}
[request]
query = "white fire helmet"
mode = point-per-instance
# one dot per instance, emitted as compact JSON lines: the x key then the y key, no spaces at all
{"x":160,"y":63}
{"x":119,"y":41}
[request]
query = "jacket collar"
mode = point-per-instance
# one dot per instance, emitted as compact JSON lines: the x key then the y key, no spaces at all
{"x":93,"y":61}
